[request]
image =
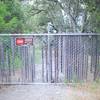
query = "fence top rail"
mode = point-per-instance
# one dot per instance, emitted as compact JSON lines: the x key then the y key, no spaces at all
{"x":56,"y":34}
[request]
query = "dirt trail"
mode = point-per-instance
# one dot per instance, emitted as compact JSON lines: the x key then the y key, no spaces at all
{"x":43,"y":92}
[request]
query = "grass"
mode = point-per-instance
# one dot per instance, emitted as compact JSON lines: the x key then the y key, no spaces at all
{"x":38,"y":55}
{"x":17,"y":62}
{"x":92,"y":88}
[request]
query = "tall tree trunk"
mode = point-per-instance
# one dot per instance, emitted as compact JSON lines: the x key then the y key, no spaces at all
{"x":43,"y":64}
{"x":33,"y":63}
{"x":46,"y":56}
{"x":13,"y":52}
{"x":96,"y":59}
{"x":2,"y":61}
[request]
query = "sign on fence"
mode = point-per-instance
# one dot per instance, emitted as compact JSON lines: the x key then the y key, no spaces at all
{"x":24,"y":41}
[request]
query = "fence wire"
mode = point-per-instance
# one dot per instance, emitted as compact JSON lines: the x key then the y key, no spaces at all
{"x":67,"y":58}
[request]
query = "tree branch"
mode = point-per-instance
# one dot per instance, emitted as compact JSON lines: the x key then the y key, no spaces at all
{"x":38,"y":11}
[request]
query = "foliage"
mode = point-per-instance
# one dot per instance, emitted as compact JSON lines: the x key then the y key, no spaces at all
{"x":38,"y":55}
{"x":17,"y":62}
{"x":93,"y":7}
{"x":11,"y":19}
{"x":66,"y":15}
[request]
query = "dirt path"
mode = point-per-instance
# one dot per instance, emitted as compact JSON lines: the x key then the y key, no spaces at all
{"x":43,"y":92}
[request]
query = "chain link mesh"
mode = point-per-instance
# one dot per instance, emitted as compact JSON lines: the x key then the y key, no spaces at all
{"x":72,"y":59}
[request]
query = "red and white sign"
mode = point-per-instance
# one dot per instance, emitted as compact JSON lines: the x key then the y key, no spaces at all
{"x":28,"y":41}
{"x":24,"y":41}
{"x":20,"y":41}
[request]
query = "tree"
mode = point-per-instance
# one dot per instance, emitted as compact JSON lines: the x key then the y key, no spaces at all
{"x":11,"y":16}
{"x":93,"y":9}
{"x":64,"y":14}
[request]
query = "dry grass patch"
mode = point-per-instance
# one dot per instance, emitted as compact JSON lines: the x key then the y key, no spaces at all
{"x":92,"y":88}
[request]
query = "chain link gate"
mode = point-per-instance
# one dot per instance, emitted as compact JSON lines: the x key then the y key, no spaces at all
{"x":72,"y":58}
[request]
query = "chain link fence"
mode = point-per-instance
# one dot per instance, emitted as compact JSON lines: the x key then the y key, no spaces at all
{"x":64,"y":58}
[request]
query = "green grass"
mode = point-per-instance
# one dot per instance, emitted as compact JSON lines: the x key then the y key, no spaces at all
{"x":17,"y":62}
{"x":38,"y":55}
